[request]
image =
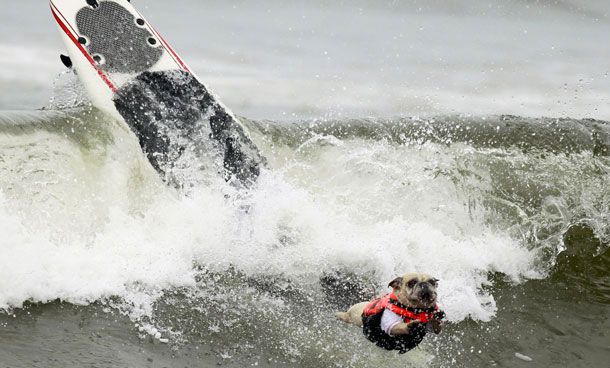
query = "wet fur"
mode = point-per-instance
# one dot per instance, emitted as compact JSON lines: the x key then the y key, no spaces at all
{"x":411,"y":292}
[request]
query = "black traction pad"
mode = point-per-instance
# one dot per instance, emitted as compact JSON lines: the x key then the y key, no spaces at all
{"x":171,"y":112}
{"x":111,"y":32}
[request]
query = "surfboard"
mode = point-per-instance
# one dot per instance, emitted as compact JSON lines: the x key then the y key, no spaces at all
{"x":131,"y":72}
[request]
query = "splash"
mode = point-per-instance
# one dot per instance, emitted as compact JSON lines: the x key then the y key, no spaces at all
{"x":89,"y":221}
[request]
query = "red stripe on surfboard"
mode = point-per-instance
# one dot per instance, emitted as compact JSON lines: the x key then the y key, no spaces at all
{"x":65,"y":20}
{"x":171,"y":50}
{"x":81,"y":48}
{"x":166,"y":45}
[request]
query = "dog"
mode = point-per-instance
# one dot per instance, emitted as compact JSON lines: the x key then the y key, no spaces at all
{"x":399,"y":320}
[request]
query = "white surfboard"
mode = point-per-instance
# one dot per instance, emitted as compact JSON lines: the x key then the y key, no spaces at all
{"x":132,"y":73}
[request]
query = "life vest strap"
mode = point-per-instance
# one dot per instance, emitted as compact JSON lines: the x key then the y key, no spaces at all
{"x":409,"y":313}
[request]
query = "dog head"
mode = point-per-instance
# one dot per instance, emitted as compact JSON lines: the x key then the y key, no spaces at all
{"x":415,"y":290}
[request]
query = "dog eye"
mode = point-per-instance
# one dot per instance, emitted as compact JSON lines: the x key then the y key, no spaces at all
{"x":412,"y":283}
{"x":433,"y":282}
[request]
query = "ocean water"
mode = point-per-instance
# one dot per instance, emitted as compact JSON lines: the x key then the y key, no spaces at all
{"x":466,"y":140}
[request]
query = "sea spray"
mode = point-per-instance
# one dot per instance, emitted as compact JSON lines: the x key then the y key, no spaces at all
{"x":240,"y":270}
{"x":295,"y":228}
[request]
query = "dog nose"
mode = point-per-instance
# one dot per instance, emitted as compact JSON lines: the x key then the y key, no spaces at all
{"x":425,"y":290}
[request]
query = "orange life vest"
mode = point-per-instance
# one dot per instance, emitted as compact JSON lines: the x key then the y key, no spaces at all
{"x":371,"y":323}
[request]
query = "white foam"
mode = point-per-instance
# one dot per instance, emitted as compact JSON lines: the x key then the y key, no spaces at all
{"x":113,"y":229}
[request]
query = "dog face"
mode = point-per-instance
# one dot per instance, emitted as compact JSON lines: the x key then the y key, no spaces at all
{"x":415,"y":290}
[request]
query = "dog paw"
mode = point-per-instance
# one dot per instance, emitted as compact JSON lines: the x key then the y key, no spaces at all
{"x":435,"y":324}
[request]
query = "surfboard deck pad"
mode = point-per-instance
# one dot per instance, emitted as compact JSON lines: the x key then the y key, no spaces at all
{"x":118,"y":38}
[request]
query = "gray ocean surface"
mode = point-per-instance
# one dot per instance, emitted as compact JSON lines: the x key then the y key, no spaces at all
{"x":466,"y":139}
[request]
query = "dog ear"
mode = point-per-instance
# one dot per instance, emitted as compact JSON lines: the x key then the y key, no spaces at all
{"x":395,"y":284}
